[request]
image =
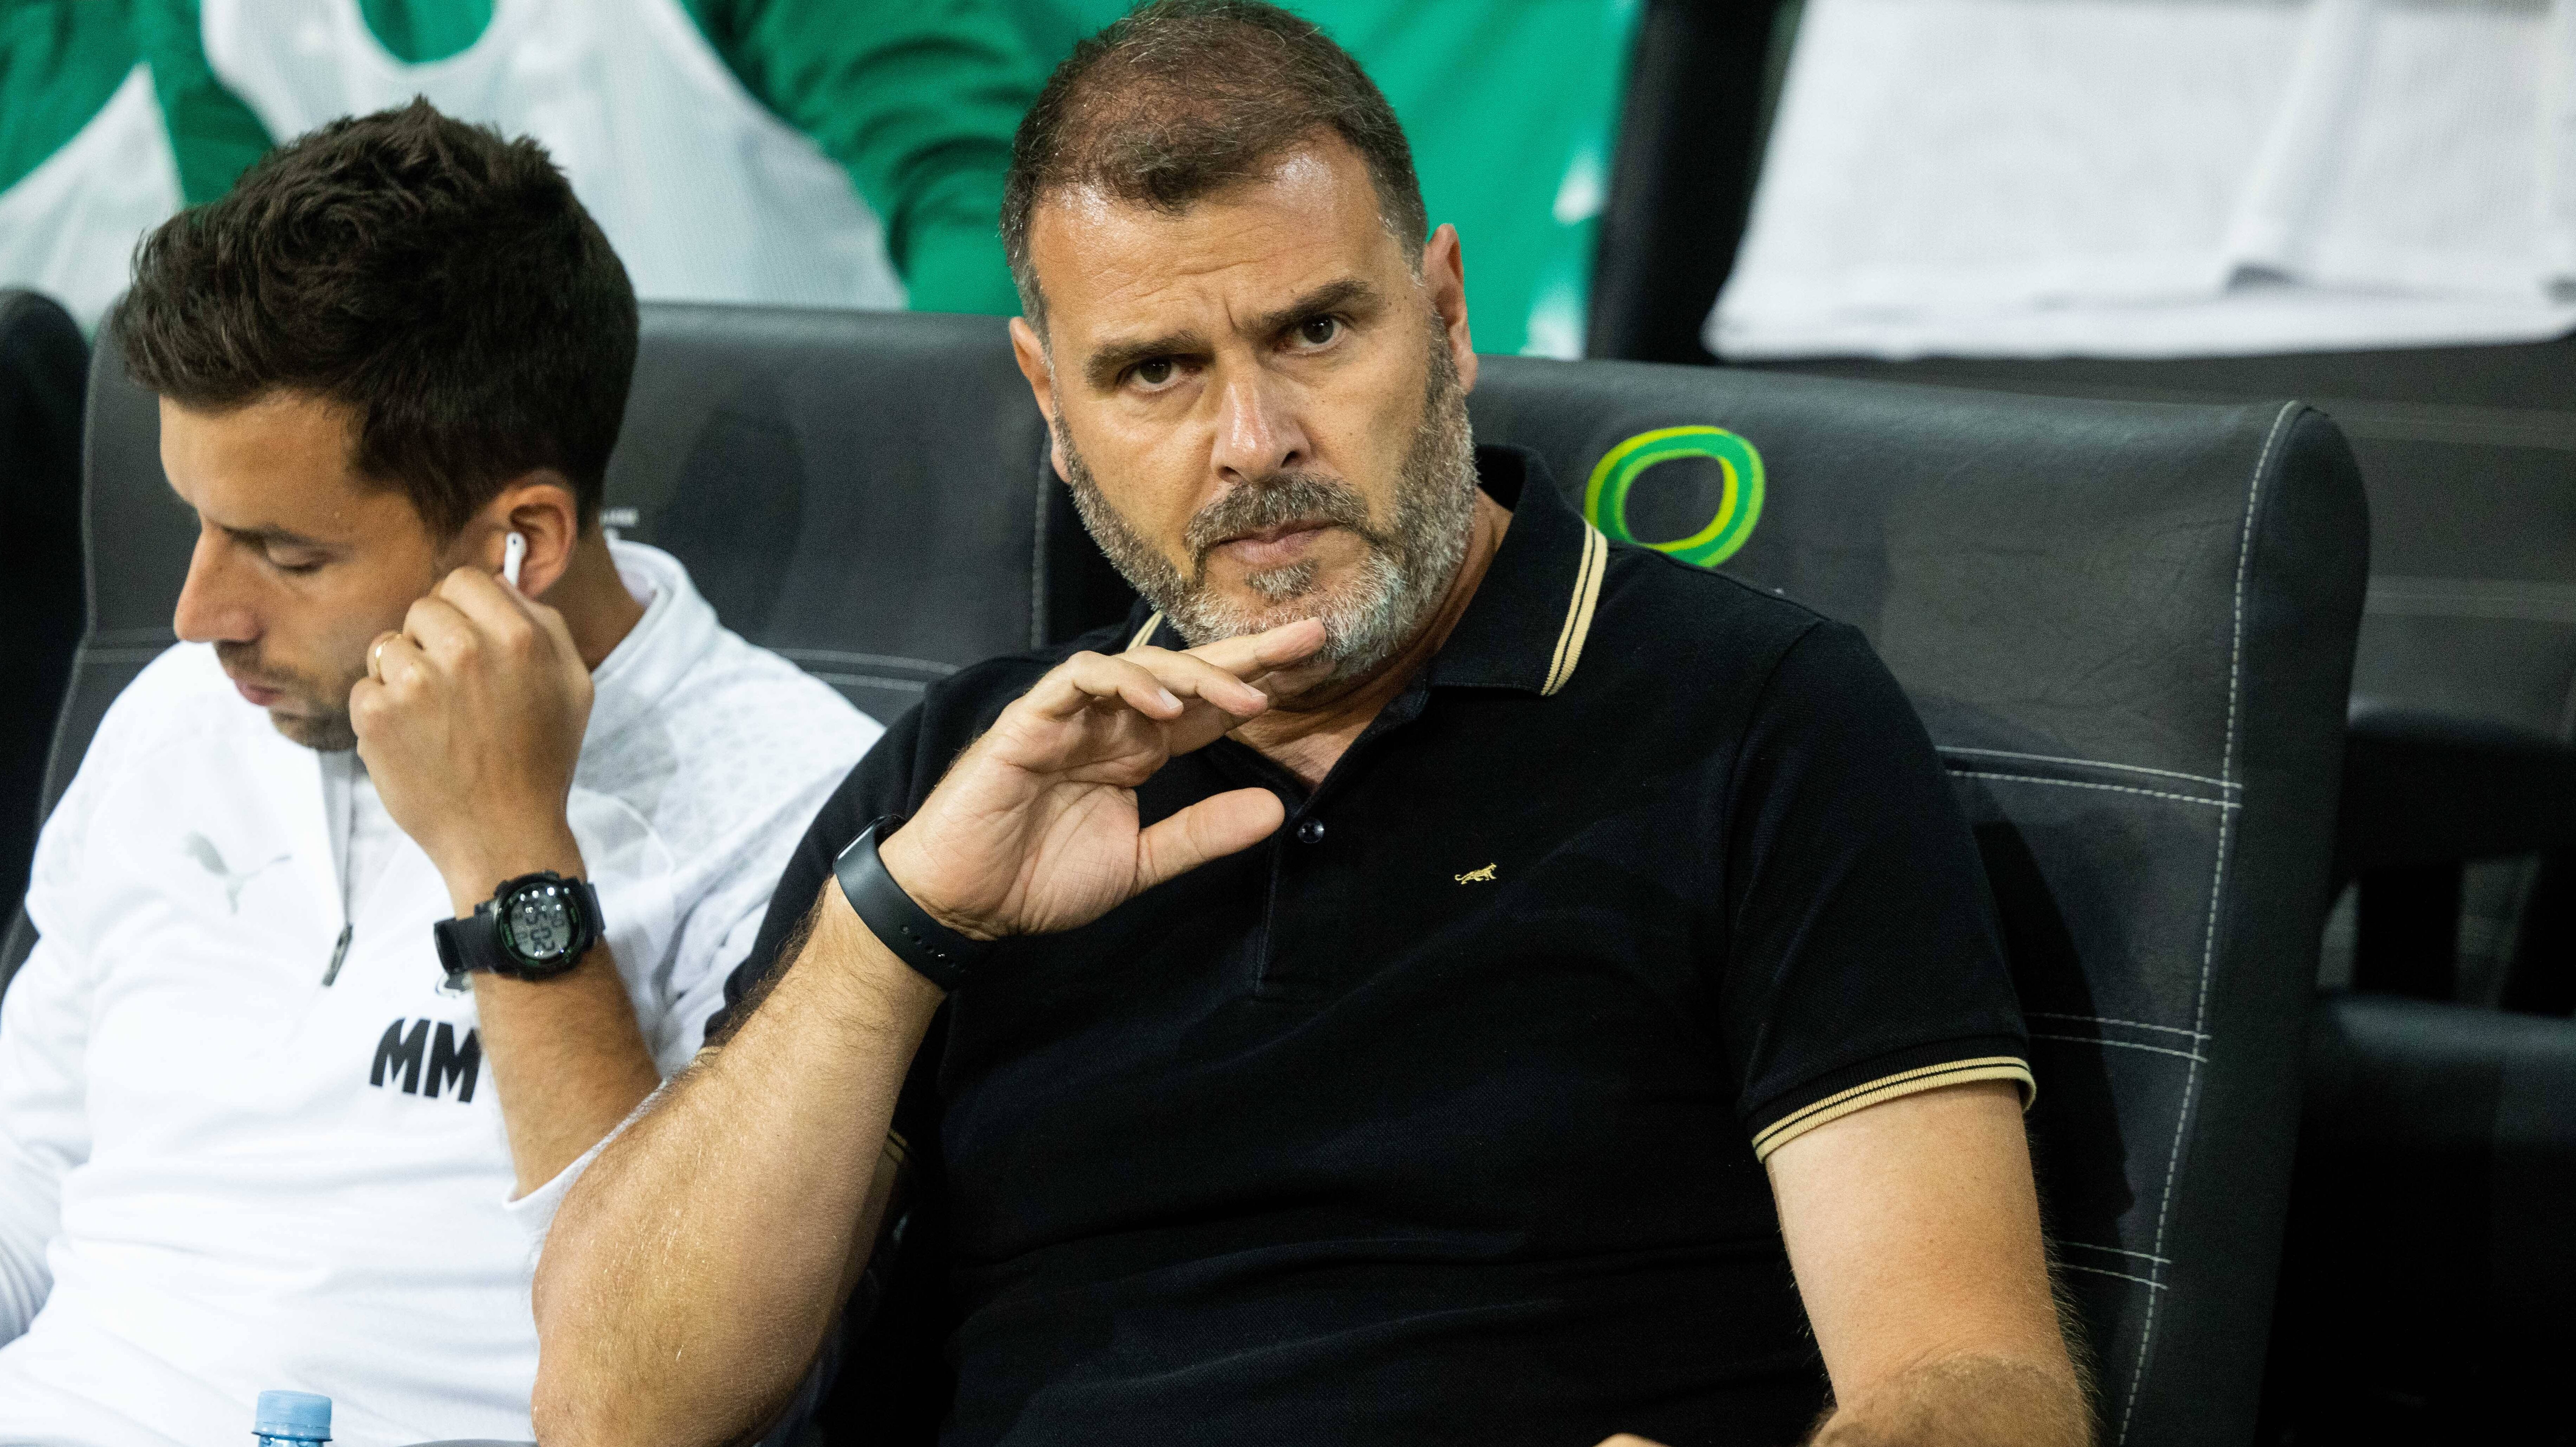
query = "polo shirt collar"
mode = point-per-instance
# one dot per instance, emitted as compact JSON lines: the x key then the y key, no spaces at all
{"x":1526,"y":626}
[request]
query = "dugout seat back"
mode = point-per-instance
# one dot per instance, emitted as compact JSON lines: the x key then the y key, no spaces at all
{"x":42,"y":360}
{"x":2129,"y":628}
{"x":861,"y":491}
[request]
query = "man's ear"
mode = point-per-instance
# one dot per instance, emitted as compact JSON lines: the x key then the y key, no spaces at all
{"x":1444,"y":276}
{"x":539,"y":506}
{"x":1030,"y":352}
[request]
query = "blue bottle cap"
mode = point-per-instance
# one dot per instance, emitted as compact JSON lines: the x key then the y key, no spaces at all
{"x":304,"y":1415}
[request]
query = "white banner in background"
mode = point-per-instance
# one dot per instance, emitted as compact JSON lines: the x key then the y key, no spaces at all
{"x":2161,"y":178}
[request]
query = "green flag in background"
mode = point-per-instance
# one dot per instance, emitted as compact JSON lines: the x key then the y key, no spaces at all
{"x":1512,"y":107}
{"x":787,"y":152}
{"x":790,"y":152}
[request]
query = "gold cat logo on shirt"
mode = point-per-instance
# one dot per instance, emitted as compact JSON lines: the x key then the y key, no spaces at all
{"x":1476,"y":876}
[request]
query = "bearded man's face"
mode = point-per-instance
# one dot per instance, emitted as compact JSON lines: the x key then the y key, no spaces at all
{"x":1260,"y":412}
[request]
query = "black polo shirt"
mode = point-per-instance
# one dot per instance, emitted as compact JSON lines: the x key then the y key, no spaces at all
{"x":1438,"y":1116}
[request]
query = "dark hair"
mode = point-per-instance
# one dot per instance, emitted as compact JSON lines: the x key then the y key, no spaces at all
{"x":1182,"y":98}
{"x":441,"y":281}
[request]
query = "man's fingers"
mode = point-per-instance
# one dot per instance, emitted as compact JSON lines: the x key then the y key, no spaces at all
{"x":439,"y":628}
{"x":398,"y":662}
{"x":1209,"y":829}
{"x":1191,"y":676}
{"x":1075,"y":683}
{"x":501,"y":612}
{"x":366,"y":705}
{"x":1251,"y":655}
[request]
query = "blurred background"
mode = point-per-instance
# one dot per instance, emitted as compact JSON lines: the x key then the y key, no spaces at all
{"x":2367,"y":204}
{"x":823,"y":152}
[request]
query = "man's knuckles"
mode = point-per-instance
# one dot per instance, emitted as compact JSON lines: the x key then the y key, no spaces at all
{"x":367,"y":704}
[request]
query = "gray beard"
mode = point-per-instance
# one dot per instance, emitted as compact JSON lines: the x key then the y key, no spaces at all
{"x":1379,"y":606}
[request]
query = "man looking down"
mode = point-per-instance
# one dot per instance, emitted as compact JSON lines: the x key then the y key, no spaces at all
{"x":1429,"y":976}
{"x":259,"y":1126}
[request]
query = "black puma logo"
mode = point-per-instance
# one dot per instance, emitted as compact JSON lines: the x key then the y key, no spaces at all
{"x":450,"y":1062}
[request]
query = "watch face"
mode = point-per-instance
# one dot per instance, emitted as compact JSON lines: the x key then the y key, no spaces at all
{"x":540,"y":923}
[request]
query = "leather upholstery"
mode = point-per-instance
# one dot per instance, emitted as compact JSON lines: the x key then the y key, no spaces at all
{"x":2472,"y":604}
{"x":2129,"y":628}
{"x":2426,"y":793}
{"x":42,"y":359}
{"x":2425,"y":1287}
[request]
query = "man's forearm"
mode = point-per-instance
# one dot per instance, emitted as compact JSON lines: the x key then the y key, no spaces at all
{"x":568,"y":1060}
{"x":1966,"y":1401}
{"x":692,"y":1272}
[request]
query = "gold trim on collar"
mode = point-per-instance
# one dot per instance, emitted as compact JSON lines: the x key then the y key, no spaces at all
{"x":1888,"y":1087}
{"x":1578,"y":612}
{"x":1146,"y":633}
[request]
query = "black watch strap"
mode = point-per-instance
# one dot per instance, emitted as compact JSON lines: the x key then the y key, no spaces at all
{"x":937,"y":953}
{"x":466,"y":945}
{"x":474,"y":943}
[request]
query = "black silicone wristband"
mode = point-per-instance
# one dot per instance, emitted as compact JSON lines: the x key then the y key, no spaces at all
{"x":937,"y":953}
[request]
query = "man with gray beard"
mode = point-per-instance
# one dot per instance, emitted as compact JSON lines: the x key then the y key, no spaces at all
{"x":1430,"y":976}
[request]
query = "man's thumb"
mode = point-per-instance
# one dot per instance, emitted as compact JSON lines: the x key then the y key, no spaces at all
{"x":1209,"y":829}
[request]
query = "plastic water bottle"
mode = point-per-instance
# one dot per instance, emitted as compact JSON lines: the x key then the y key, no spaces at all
{"x":291,"y":1419}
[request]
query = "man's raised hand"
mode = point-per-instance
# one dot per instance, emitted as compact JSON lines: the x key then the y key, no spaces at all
{"x":470,"y":721}
{"x":1035,"y":829}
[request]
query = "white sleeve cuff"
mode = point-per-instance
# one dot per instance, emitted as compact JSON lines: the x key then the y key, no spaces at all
{"x":535,"y":1211}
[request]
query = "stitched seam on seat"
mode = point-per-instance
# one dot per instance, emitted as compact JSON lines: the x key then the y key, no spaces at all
{"x":837,"y":655}
{"x":2087,"y":763}
{"x":869,"y":680}
{"x":2217,"y":882}
{"x":2121,"y":1044}
{"x":2088,"y":784}
{"x":2107,"y":1020}
{"x":2124,"y":1276}
{"x":2117,"y":1251}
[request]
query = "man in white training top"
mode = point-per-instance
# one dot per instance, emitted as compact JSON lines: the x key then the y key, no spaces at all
{"x":393,"y":888}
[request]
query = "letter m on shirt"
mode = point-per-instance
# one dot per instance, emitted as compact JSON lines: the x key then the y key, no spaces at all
{"x":401,"y":1053}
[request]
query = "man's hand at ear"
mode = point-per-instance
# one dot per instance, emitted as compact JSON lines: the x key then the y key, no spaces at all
{"x":471,"y":722}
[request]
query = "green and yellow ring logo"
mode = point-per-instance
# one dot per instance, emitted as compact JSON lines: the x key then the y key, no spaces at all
{"x":1605,"y":497}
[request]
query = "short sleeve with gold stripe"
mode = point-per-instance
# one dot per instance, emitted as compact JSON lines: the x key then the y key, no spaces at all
{"x":1860,"y":960}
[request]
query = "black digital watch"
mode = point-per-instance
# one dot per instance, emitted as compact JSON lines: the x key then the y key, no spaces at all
{"x":534,"y":927}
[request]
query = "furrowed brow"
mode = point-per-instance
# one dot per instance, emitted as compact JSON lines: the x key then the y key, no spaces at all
{"x":1108,"y":363}
{"x":1349,"y":293}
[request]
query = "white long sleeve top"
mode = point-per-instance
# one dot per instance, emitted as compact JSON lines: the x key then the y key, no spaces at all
{"x":220,"y":1174}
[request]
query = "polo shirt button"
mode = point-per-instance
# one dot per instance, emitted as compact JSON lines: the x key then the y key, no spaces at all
{"x":1311,"y":832}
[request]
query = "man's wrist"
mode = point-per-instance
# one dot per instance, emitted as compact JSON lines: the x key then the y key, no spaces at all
{"x":892,"y":989}
{"x":902,"y":866}
{"x":475,"y":876}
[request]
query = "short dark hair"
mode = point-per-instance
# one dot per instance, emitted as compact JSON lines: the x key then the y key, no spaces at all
{"x":1182,"y":98}
{"x":441,"y":281}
